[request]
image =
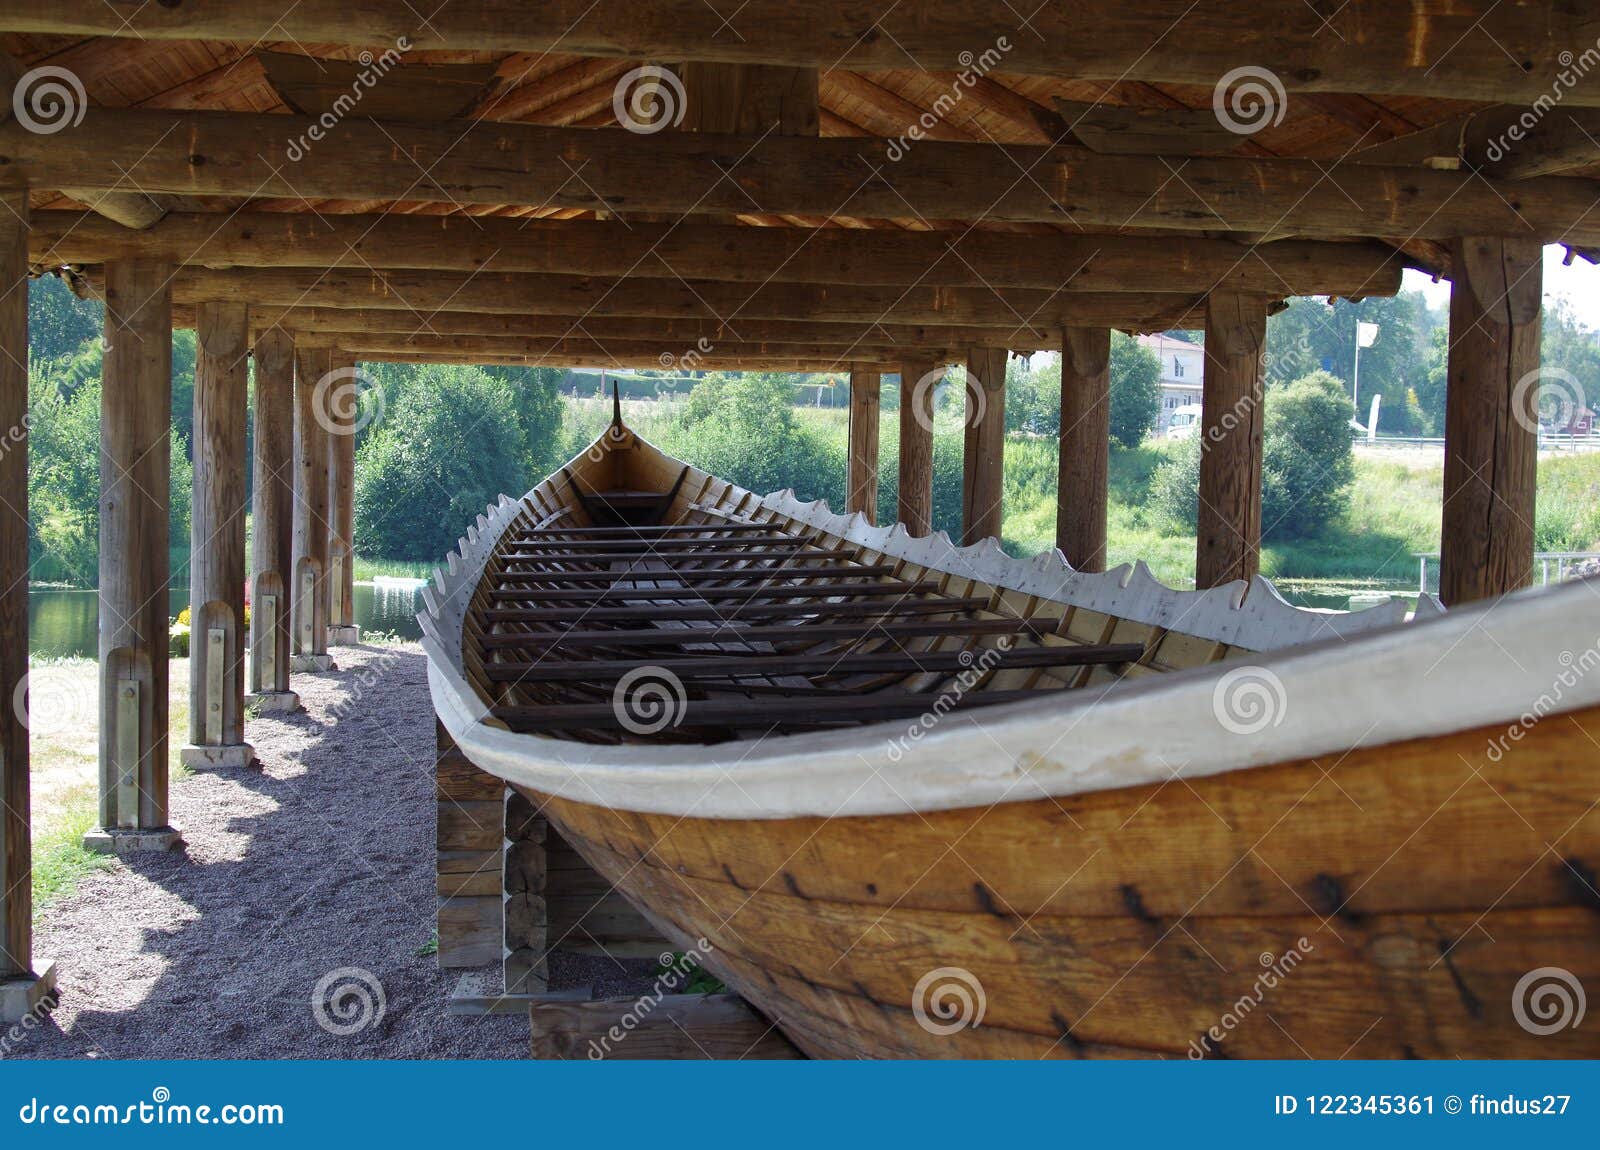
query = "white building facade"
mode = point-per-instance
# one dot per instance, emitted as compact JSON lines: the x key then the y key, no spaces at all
{"x":1182,"y":368}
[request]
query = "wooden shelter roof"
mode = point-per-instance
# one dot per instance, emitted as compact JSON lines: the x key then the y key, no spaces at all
{"x":562,"y":90}
{"x":1362,"y":103}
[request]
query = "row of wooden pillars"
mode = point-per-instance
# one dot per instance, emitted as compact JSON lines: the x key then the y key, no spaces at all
{"x":1491,"y":435}
{"x":302,"y":512}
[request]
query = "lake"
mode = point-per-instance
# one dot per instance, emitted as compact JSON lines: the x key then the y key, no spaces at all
{"x":62,"y":623}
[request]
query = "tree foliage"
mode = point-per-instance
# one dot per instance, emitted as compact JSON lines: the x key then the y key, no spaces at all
{"x":1306,"y":469}
{"x":449,"y":443}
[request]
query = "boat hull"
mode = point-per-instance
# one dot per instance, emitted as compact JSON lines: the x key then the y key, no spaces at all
{"x":1393,"y":902}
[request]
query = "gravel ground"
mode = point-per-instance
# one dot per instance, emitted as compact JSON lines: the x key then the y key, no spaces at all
{"x":318,"y":864}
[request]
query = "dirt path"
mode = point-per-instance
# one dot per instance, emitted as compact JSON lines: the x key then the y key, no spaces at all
{"x":318,"y":863}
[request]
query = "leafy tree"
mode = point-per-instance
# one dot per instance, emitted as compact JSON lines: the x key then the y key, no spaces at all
{"x":59,"y":323}
{"x":1135,"y":389}
{"x":450,"y":442}
{"x":1307,"y":466}
{"x":1306,"y":470}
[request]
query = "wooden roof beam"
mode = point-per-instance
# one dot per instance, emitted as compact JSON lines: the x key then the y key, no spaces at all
{"x":1509,"y":143}
{"x":1469,"y":49}
{"x":225,"y":153}
{"x":673,"y":335}
{"x":726,"y":253}
{"x":582,"y":297}
{"x":657,"y":354}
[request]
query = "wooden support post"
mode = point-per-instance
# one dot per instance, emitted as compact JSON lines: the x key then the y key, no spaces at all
{"x":1228,"y":538}
{"x":526,"y":920}
{"x":470,"y":843}
{"x":216,"y":555}
{"x":1491,"y":427}
{"x":1082,"y":489}
{"x":272,"y":514}
{"x":918,"y":382}
{"x":309,"y":593}
{"x":983,"y":472}
{"x":343,"y":410}
{"x":862,"y":466}
{"x":22,"y":985}
{"x":135,"y":473}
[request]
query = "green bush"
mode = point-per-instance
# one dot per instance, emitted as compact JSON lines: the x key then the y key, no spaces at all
{"x":448,"y":444}
{"x":1306,"y":469}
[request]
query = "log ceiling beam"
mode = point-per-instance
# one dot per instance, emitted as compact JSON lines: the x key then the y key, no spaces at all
{"x":227,"y":153}
{"x":1508,"y":143}
{"x":1469,"y":49}
{"x":669,"y":335}
{"x":596,"y":359}
{"x":1012,"y":309}
{"x":647,"y":353}
{"x":726,"y":253}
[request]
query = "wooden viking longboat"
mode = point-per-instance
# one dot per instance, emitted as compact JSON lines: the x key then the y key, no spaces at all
{"x":923,"y":800}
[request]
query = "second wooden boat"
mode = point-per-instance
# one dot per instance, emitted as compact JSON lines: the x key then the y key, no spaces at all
{"x":913,"y":799}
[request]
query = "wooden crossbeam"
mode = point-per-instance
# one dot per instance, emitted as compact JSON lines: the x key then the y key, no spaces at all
{"x":688,"y":576}
{"x":859,"y":609}
{"x":583,"y":297}
{"x":854,"y":590}
{"x":657,"y":352}
{"x":626,"y":548}
{"x":781,"y":633}
{"x":767,"y":711}
{"x":1468,"y":49}
{"x":692,"y":250}
{"x":244,"y":154}
{"x":771,"y":665}
{"x":333,"y":326}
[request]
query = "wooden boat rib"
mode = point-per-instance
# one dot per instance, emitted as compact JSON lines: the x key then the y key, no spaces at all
{"x":898,"y":786}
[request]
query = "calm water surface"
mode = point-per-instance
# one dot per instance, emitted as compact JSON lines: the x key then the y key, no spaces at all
{"x":63,"y":622}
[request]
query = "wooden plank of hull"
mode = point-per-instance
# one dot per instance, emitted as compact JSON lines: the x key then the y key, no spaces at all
{"x":1428,"y":877}
{"x":1405,"y":828}
{"x":1429,"y":985}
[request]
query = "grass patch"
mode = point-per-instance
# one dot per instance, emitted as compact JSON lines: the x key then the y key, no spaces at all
{"x":59,"y":859}
{"x":362,"y":570}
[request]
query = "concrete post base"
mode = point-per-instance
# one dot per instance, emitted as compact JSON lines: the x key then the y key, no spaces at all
{"x":201,"y":757}
{"x":131,"y":840}
{"x":21,"y":995}
{"x":345,"y":635}
{"x":312,"y":663}
{"x":265,"y":702}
